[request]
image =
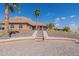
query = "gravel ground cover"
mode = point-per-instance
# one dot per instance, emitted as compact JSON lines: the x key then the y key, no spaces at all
{"x":20,"y":34}
{"x":63,"y":34}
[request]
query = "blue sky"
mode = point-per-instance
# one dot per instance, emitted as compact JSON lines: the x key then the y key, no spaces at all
{"x":62,"y":14}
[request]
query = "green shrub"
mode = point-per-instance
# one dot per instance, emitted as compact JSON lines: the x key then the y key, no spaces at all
{"x":67,"y":29}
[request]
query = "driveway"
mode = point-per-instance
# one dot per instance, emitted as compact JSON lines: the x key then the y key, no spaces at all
{"x":39,"y":48}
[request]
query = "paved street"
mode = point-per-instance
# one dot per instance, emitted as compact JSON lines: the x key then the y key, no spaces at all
{"x":39,"y":48}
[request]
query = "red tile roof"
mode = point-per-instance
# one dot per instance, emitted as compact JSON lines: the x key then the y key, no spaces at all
{"x":24,"y":20}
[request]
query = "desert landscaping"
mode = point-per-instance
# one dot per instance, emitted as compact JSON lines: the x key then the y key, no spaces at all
{"x":50,"y":30}
{"x":40,"y":47}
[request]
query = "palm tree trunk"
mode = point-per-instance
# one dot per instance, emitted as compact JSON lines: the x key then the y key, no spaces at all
{"x":36,"y":23}
{"x":7,"y":17}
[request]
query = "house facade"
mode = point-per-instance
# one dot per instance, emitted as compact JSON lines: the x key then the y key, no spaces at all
{"x":22,"y":23}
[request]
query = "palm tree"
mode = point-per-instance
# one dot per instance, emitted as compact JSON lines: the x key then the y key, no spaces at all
{"x":37,"y":13}
{"x":8,"y":8}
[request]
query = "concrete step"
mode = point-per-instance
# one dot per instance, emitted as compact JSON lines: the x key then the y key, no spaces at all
{"x":39,"y":38}
{"x":39,"y":35}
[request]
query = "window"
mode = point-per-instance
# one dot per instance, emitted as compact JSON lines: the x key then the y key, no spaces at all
{"x":1,"y":28}
{"x":20,"y":26}
{"x":12,"y":26}
{"x":26,"y":25}
{"x":30,"y":27}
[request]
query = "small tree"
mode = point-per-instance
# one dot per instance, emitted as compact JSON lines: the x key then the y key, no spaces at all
{"x":51,"y":26}
{"x":67,"y":29}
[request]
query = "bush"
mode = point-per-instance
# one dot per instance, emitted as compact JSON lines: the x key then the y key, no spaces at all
{"x":67,"y":29}
{"x":50,"y":26}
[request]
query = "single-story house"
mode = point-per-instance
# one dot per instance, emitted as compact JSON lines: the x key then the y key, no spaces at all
{"x":23,"y":23}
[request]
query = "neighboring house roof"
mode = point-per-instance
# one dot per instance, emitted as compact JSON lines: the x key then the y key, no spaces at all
{"x":24,"y":20}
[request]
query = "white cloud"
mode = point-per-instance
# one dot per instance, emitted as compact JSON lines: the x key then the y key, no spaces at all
{"x":56,"y":20}
{"x":63,"y":18}
{"x":72,"y":16}
{"x":57,"y":24}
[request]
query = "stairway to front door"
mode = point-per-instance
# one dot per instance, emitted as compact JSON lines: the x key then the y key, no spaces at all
{"x":39,"y":35}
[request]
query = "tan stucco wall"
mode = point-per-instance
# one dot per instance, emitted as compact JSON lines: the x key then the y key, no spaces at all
{"x":16,"y":27}
{"x":24,"y":27}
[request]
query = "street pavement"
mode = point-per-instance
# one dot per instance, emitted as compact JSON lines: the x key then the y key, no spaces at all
{"x":39,"y":48}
